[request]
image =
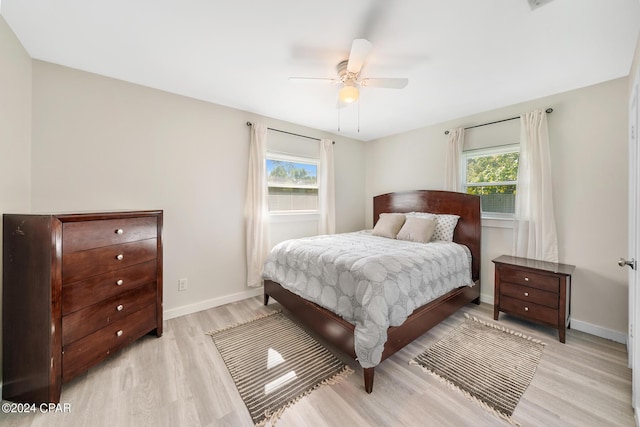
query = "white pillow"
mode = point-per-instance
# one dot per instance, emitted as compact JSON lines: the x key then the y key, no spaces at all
{"x":417,"y":229}
{"x":388,"y":225}
{"x":445,"y":226}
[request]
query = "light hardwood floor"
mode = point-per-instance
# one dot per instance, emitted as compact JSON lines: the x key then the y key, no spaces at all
{"x":180,"y":380}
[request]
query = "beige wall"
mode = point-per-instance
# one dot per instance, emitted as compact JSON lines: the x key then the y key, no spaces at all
{"x":15,"y":122}
{"x":588,"y":134}
{"x":15,"y":128}
{"x":100,"y":143}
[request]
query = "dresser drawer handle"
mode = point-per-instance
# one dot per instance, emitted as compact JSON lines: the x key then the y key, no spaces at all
{"x":526,"y":309}
{"x":120,"y":307}
{"x":120,"y":257}
{"x":526,"y":294}
{"x":119,"y":231}
{"x":119,"y":282}
{"x":119,"y":333}
{"x":526,"y":279}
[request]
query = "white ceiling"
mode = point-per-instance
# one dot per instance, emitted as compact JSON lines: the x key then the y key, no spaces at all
{"x":461,"y":56}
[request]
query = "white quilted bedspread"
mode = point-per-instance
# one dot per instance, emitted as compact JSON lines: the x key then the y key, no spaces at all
{"x":372,"y":282}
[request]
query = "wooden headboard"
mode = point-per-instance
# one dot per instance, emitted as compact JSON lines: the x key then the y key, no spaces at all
{"x":467,"y":206}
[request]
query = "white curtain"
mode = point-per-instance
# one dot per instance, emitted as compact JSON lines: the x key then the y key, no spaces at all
{"x":256,"y":206}
{"x":452,"y":160}
{"x":535,"y":227}
{"x":326,"y":189}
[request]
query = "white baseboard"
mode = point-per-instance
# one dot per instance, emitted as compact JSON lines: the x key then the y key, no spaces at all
{"x":599,"y":331}
{"x":214,"y":302}
{"x":487,"y":299}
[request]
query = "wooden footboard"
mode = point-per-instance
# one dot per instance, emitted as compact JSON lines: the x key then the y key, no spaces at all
{"x":339,"y":333}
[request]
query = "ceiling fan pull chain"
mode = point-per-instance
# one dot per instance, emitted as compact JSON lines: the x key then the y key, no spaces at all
{"x":338,"y":118}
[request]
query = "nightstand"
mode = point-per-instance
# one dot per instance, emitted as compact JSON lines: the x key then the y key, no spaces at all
{"x":538,"y":291}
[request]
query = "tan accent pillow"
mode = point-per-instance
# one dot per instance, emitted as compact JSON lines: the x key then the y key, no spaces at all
{"x":388,"y":225}
{"x":417,"y":229}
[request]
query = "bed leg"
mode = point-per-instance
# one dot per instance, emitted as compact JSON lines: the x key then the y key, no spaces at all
{"x":476,"y":301}
{"x":368,"y":379}
{"x":266,"y":299}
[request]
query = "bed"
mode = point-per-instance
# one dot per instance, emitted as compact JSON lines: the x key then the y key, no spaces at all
{"x":340,"y":333}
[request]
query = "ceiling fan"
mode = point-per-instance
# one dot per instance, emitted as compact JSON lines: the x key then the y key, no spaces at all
{"x":349,"y":74}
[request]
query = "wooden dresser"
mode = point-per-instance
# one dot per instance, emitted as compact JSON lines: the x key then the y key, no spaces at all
{"x":76,"y":288}
{"x":538,"y":291}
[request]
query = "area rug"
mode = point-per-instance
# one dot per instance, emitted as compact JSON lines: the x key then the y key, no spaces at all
{"x":274,"y":363}
{"x":488,"y":363}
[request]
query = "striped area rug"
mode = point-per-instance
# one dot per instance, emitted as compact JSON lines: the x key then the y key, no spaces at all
{"x":274,"y":363}
{"x":488,"y":363}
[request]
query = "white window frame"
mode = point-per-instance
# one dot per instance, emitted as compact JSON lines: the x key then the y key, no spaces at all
{"x":484,"y":152}
{"x":286,"y":157}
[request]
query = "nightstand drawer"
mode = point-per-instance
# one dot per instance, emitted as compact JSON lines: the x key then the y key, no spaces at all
{"x":529,"y":294}
{"x":530,"y":311}
{"x":526,"y":278}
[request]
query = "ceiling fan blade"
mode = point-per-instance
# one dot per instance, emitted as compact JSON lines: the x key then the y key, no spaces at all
{"x":389,"y":83}
{"x":314,"y":79}
{"x":360,"y":48}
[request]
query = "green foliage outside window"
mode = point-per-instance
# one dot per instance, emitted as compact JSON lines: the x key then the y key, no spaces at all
{"x":493,"y":177}
{"x":488,"y":169}
{"x":291,"y":173}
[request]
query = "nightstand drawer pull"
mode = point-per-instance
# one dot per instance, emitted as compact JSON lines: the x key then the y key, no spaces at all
{"x":526,"y":279}
{"x":526,"y":309}
{"x":526,"y":294}
{"x":120,"y":257}
{"x":119,"y":282}
{"x":119,"y":333}
{"x":119,"y":231}
{"x":120,"y":307}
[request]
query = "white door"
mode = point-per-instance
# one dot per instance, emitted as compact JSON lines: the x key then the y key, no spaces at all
{"x":633,"y":344}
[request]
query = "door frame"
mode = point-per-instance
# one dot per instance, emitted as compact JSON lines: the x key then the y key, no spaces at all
{"x":633,"y":344}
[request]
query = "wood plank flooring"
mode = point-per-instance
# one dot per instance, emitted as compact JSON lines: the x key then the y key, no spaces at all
{"x":180,"y":380}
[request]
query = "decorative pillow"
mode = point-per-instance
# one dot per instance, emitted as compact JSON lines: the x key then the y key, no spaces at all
{"x":417,"y":229}
{"x":445,"y":227}
{"x":388,"y":225}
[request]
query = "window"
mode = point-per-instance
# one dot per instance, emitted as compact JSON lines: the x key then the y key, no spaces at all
{"x":293,"y":183}
{"x":492,"y":173}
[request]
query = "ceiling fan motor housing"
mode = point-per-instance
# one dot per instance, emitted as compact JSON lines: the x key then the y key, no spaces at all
{"x":344,"y":74}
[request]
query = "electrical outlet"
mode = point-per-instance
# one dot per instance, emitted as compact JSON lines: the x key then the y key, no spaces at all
{"x":182,"y":284}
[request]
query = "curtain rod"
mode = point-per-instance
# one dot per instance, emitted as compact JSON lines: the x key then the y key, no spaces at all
{"x":291,"y":133}
{"x":548,"y":110}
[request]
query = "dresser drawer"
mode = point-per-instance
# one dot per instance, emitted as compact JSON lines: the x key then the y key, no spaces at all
{"x":86,"y":352}
{"x":83,"y":293}
{"x":83,"y":322}
{"x":538,"y":313}
{"x":526,"y":278}
{"x":82,"y":235}
{"x":529,"y":294}
{"x":84,"y":264}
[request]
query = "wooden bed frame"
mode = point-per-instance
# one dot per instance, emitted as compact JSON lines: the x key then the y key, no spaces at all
{"x":340,"y":333}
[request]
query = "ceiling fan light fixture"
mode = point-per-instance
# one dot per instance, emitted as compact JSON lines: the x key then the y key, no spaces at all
{"x":348,"y":94}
